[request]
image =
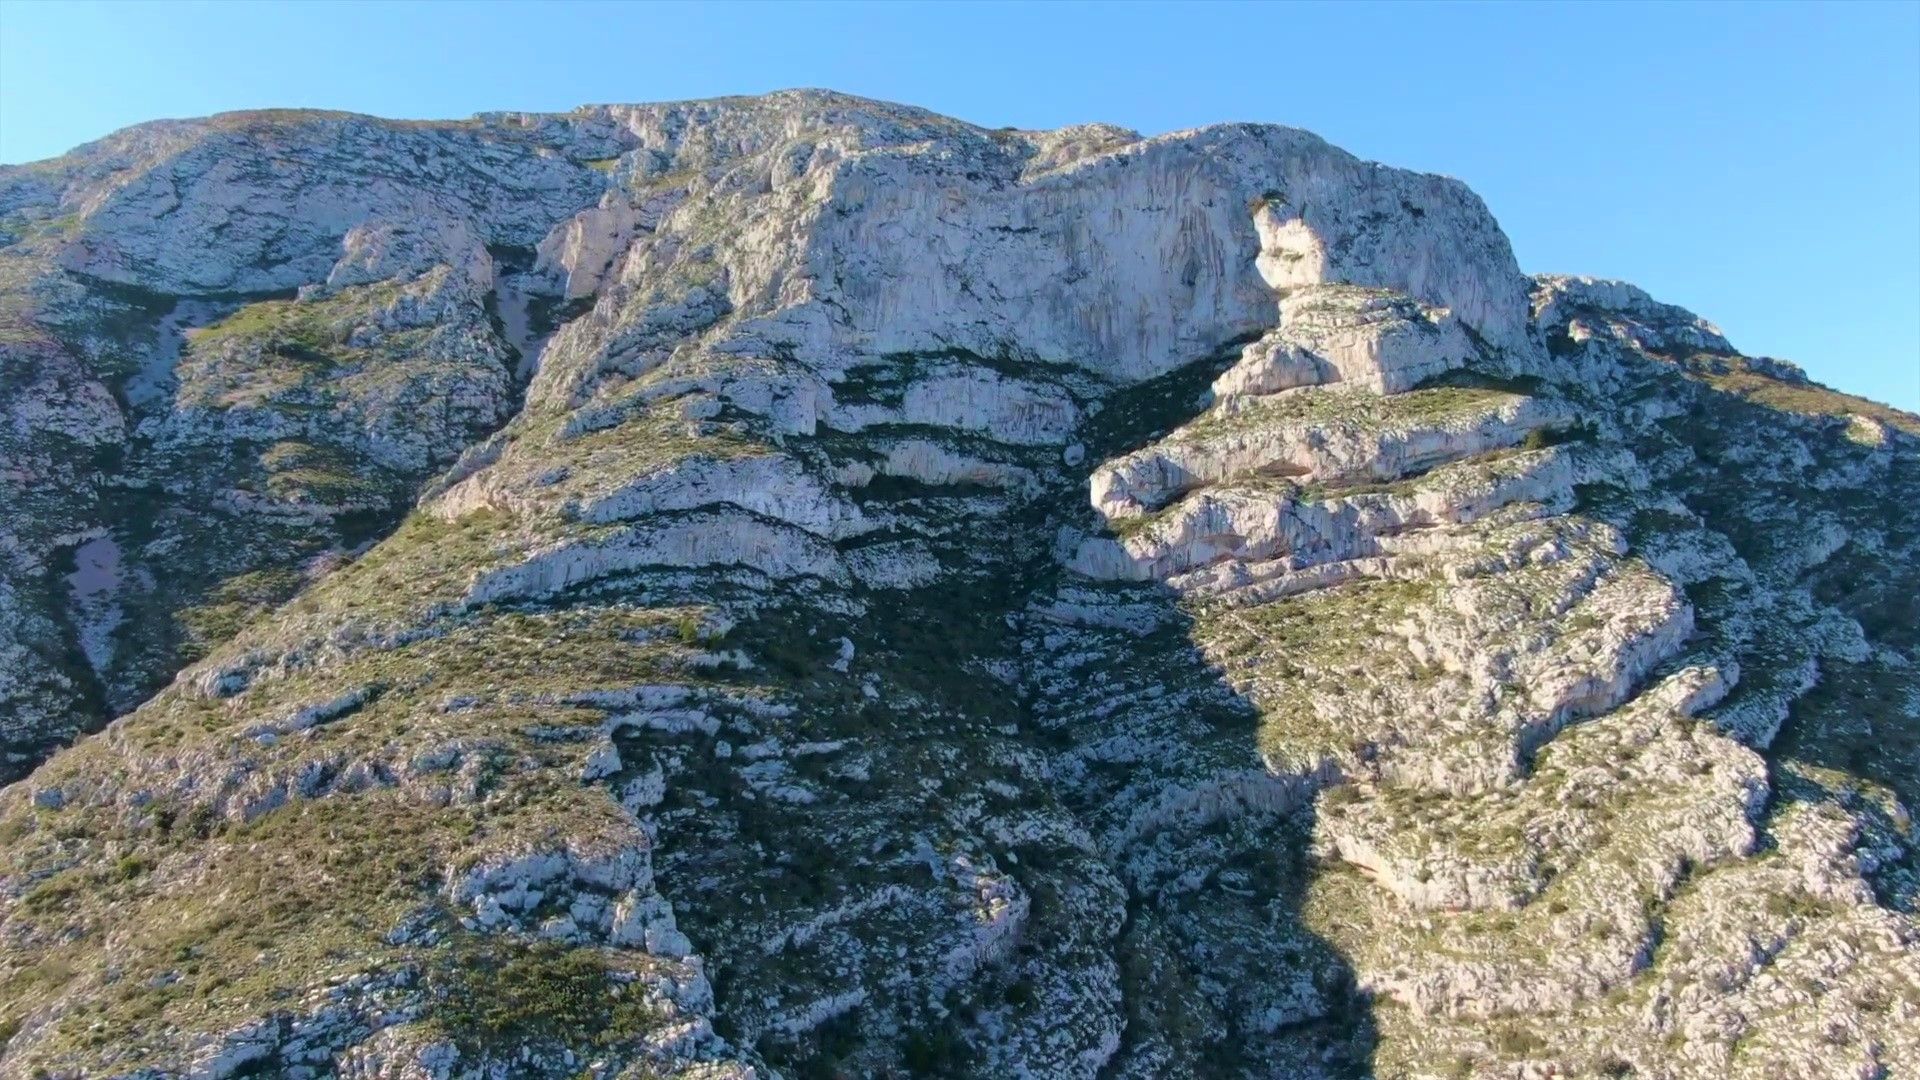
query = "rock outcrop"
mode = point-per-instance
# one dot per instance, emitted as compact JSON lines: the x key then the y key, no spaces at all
{"x":804,"y":586}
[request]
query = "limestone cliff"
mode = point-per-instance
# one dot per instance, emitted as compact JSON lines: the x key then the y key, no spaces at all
{"x":804,"y":586}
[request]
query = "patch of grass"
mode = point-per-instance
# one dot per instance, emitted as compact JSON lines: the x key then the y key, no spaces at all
{"x":305,"y":891}
{"x":327,"y":487}
{"x":1518,"y":1042}
{"x":1331,"y":407}
{"x":425,"y":561}
{"x":232,"y":604}
{"x":1471,"y":379}
{"x":1737,"y":376}
{"x":498,"y":993}
{"x":290,"y":353}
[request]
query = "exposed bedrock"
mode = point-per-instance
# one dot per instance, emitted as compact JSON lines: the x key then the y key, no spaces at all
{"x":804,"y":586}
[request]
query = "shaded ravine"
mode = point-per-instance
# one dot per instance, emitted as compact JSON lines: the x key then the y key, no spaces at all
{"x":1220,"y":974}
{"x":952,"y":683}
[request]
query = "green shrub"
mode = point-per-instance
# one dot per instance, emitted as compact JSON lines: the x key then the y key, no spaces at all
{"x":1518,"y":1042}
{"x":504,"y":992}
{"x":131,"y":866}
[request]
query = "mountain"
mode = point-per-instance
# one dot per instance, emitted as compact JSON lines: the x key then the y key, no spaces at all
{"x":804,"y":586}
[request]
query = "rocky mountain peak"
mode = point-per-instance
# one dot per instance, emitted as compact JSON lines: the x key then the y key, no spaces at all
{"x":801,"y":585}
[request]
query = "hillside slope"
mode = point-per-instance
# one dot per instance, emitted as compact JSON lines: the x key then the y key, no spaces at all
{"x":799,"y":585}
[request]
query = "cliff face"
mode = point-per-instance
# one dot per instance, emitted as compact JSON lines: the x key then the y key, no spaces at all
{"x":802,"y":585}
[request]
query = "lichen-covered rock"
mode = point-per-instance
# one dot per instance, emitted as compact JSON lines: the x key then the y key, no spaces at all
{"x":804,"y":586}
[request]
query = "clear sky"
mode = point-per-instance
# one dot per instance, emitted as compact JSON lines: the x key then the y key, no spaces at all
{"x":1758,"y":164}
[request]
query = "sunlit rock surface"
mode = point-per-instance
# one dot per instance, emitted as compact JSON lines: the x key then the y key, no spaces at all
{"x":804,"y":586}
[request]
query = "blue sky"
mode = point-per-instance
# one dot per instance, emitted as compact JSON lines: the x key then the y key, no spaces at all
{"x":1758,"y":164}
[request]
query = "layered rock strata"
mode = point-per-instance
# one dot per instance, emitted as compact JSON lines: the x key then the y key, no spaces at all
{"x":804,"y":586}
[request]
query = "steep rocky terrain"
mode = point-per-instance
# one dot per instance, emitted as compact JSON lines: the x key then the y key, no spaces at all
{"x":803,"y":586}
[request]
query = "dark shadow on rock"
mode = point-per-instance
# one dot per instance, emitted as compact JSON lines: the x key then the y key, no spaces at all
{"x":1106,"y":769}
{"x":1221,"y":974}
